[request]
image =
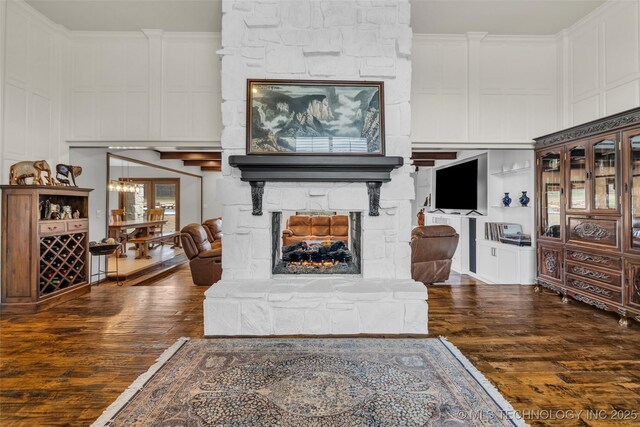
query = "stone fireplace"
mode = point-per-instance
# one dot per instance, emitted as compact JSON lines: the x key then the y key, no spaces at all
{"x":326,"y":40}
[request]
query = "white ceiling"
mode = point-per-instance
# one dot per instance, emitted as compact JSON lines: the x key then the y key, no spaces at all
{"x":510,"y":17}
{"x":507,"y":17}
{"x":133,"y":15}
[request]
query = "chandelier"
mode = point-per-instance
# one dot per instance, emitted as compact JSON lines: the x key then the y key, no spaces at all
{"x":124,"y":186}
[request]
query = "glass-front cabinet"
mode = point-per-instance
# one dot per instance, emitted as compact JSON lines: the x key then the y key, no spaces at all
{"x":631,"y":140}
{"x":588,"y":245}
{"x":550,"y":194}
{"x":604,"y":174}
{"x":577,"y":175}
{"x":592,"y":176}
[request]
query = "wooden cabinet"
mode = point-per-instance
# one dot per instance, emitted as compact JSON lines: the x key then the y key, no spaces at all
{"x":588,"y":217}
{"x":44,"y":261}
{"x":632,"y":272}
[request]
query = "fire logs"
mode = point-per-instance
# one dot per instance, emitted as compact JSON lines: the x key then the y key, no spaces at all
{"x":316,"y":253}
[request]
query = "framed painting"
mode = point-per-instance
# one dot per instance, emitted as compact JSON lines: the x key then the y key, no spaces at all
{"x":315,"y":117}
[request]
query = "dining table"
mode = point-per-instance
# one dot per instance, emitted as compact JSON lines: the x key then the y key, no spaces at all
{"x":139,"y":227}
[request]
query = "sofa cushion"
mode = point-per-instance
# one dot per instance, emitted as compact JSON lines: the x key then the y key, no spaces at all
{"x":340,"y":225}
{"x":433,"y":231}
{"x":214,"y":228}
{"x":300,"y":225}
{"x":320,"y":225}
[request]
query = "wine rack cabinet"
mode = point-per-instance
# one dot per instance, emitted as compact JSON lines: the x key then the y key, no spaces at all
{"x":44,"y":261}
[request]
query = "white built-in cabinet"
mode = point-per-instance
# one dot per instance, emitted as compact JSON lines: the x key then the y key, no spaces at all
{"x":509,"y":171}
{"x":501,"y":263}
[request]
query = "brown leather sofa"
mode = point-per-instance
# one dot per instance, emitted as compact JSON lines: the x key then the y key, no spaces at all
{"x":213,"y":228}
{"x":205,"y":260}
{"x":318,"y":227}
{"x":432,"y":248}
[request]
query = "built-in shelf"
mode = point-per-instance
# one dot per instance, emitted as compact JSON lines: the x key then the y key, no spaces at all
{"x":510,"y":207}
{"x":512,"y":171}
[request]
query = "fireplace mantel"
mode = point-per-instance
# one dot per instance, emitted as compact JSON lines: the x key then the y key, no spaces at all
{"x":372,"y":170}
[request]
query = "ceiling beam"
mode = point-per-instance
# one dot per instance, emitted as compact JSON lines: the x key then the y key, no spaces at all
{"x":207,"y":163}
{"x":434,"y":155}
{"x":424,"y":163}
{"x":210,"y":169}
{"x":190,"y":155}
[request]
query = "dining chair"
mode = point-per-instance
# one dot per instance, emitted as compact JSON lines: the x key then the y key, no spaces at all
{"x":118,"y":215}
{"x":156,"y":214}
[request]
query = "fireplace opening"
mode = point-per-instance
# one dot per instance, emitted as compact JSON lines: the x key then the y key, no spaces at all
{"x":318,"y":242}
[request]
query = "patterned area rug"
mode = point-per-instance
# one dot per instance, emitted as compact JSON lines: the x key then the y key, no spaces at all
{"x":311,"y":382}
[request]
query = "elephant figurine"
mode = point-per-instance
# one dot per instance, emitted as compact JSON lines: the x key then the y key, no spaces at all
{"x":63,"y":172}
{"x":20,"y":171}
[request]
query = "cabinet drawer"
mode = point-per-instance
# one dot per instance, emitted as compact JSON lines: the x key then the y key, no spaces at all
{"x":609,"y":277}
{"x":591,"y":230}
{"x":603,"y":261}
{"x":593,"y":288}
{"x":78,"y":225}
{"x":52,"y":227}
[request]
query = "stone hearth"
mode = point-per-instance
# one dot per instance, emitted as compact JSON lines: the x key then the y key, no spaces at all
{"x":315,"y":306}
{"x":311,"y":40}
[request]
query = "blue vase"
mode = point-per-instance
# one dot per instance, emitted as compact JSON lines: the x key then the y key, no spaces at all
{"x":506,"y":200}
{"x":524,"y":199}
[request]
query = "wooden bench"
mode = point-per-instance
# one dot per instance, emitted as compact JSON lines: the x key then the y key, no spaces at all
{"x":142,"y":242}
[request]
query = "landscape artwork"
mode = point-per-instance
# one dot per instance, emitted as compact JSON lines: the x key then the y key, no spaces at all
{"x":315,"y":117}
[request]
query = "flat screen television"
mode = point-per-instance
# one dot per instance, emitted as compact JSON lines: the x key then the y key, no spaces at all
{"x":457,"y":186}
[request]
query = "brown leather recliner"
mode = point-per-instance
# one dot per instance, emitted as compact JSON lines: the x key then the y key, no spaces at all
{"x":432,"y":248}
{"x":213,"y":227}
{"x":205,"y":261}
{"x":318,"y":227}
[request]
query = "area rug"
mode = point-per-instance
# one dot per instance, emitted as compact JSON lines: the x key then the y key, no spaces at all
{"x":311,"y":382}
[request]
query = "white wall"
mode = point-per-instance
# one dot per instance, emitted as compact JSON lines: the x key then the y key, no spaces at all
{"x":145,"y":85}
{"x":481,"y":89}
{"x":211,"y":208}
{"x":601,"y":63}
{"x":33,"y":86}
{"x":109,"y":86}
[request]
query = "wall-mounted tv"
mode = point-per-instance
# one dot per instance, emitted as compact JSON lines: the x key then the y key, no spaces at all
{"x":462,"y":186}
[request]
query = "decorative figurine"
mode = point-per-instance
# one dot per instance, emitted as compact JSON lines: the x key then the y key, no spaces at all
{"x":506,"y":200}
{"x":427,"y":201}
{"x":66,"y":212}
{"x":54,"y":211}
{"x":76,"y":214}
{"x":20,"y":171}
{"x":65,"y":171}
{"x":421,"y":217}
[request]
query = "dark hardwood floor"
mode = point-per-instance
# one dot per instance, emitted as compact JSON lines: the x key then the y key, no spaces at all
{"x":66,"y":365}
